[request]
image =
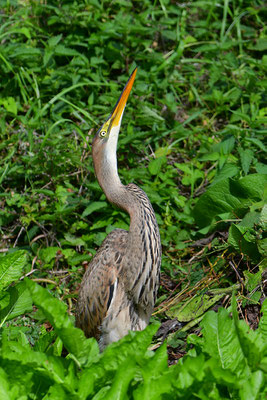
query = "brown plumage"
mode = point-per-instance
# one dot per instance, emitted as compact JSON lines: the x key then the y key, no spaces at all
{"x":119,"y":288}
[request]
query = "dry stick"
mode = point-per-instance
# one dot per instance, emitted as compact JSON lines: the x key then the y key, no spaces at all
{"x":45,"y":280}
{"x":62,"y":271}
{"x":33,"y":261}
{"x":17,"y":238}
{"x":28,"y":274}
{"x":237,"y":273}
{"x":38,"y":237}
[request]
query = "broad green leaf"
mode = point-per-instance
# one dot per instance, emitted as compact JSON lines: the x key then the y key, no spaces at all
{"x":131,"y":347}
{"x":263,"y":322}
{"x":51,"y":367}
{"x":246,"y":157}
{"x":155,"y":165}
{"x":53,"y":41}
{"x":228,"y":171}
{"x":253,"y":186}
{"x":241,"y":241}
{"x":49,"y":253}
{"x":190,"y":371}
{"x":252,"y":280}
{"x":263,"y":217}
{"x":227,"y":144}
{"x":25,"y":52}
{"x":221,"y":341}
{"x":228,"y":195}
{"x":121,"y":381}
{"x":249,"y":340}
{"x":11,"y":267}
{"x":250,"y":219}
{"x":156,"y":381}
{"x":152,"y":113}
{"x":257,"y":142}
{"x":135,"y":343}
{"x":61,"y":50}
{"x":10,"y":105}
{"x":25,"y":31}
{"x":262,"y":247}
{"x":194,"y":307}
{"x":6,"y":392}
{"x":56,"y":312}
{"x":260,"y":45}
{"x":56,"y":392}
{"x":95,"y":206}
{"x":74,"y":241}
{"x":252,"y":387}
{"x":20,"y":302}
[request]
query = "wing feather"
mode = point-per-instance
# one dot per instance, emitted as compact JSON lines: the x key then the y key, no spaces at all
{"x":99,"y":284}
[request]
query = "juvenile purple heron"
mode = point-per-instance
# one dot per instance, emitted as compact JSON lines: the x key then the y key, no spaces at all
{"x":119,"y":287}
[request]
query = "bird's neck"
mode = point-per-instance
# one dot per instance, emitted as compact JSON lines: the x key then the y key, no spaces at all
{"x":130,"y":198}
{"x":135,"y":202}
{"x":109,"y":180}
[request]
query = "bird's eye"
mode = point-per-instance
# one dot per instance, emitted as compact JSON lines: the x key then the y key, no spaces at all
{"x":102,"y":133}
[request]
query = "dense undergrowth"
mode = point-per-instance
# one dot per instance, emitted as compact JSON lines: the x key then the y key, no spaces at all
{"x":192,"y":137}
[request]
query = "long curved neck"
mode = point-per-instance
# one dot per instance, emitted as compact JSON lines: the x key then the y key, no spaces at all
{"x":108,"y":178}
{"x":130,"y":198}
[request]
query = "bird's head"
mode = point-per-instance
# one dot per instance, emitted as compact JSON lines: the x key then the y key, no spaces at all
{"x":105,"y":141}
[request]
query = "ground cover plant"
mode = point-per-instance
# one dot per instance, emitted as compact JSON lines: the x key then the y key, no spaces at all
{"x":192,"y":137}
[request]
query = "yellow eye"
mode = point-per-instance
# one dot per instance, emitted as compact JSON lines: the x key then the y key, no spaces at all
{"x":102,"y":133}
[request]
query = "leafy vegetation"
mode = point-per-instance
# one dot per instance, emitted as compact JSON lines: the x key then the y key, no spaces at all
{"x":229,"y":361}
{"x":192,"y":137}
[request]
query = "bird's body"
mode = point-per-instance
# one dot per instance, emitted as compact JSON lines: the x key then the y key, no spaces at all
{"x":119,"y":288}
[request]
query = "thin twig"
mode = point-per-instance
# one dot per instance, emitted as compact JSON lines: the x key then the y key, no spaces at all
{"x":17,"y":238}
{"x":237,"y":273}
{"x":28,"y":274}
{"x":58,"y":272}
{"x":37,"y":237}
{"x":45,"y":280}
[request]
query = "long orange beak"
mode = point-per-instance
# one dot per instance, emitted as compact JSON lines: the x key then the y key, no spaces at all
{"x":121,"y":103}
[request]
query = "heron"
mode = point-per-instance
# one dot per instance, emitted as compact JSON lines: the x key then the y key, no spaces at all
{"x":119,"y":288}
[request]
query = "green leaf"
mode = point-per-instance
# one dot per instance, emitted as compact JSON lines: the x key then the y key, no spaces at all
{"x":193,"y":308}
{"x":152,"y":113}
{"x":53,"y":41}
{"x":52,"y":368}
{"x":155,"y":165}
{"x":95,"y":206}
{"x":252,"y":387}
{"x":6,"y":393}
{"x":252,"y":280}
{"x":263,"y":322}
{"x":10,"y":105}
{"x":132,"y":347}
{"x":56,"y":312}
{"x":73,"y":240}
{"x":257,"y":142}
{"x":49,"y":253}
{"x":156,"y":380}
{"x":222,"y":341}
{"x":227,"y":171}
{"x":61,"y":50}
{"x":228,"y":195}
{"x":121,"y":381}
{"x":246,"y":157}
{"x":227,"y":144}
{"x":260,"y":45}
{"x":11,"y":267}
{"x":241,"y":242}
{"x":20,"y":302}
{"x":261,"y":168}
